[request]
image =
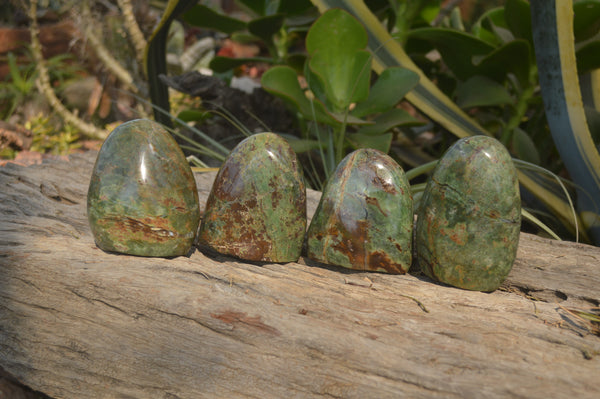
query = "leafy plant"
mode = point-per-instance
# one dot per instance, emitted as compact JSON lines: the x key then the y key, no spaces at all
{"x":47,"y":138}
{"x":342,"y":110}
{"x":494,"y":53}
{"x":275,"y":24}
{"x":18,"y":88}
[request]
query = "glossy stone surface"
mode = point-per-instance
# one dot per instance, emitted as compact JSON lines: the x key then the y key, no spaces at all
{"x":470,"y":216}
{"x":256,"y":209}
{"x":142,"y":198}
{"x":364,"y":220}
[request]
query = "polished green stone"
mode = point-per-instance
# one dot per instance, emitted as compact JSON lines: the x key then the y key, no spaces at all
{"x":470,"y":216}
{"x":364,"y":220}
{"x":256,"y":209}
{"x":142,"y":198}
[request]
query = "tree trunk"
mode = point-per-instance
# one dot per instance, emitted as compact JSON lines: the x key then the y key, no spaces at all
{"x":76,"y":322}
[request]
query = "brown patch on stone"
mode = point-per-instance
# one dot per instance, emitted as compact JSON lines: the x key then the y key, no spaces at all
{"x":375,"y":201}
{"x":381,"y":260}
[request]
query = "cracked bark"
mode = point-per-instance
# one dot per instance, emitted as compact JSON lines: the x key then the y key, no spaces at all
{"x":78,"y":322}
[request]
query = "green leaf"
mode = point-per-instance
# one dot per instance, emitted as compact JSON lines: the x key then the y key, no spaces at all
{"x":587,"y":19}
{"x":266,"y":27}
{"x":336,"y":43}
{"x":588,"y":57}
{"x":282,"y":81}
{"x":480,"y":91}
{"x":513,"y":57}
{"x":486,"y":26}
{"x":294,"y":7}
{"x":261,"y":7}
{"x":224,"y":64}
{"x":21,"y":84}
{"x":391,"y":86}
{"x":524,"y":148}
{"x":191,"y":115}
{"x":459,"y":50}
{"x":393,"y":118}
{"x":381,"y":142}
{"x":388,"y":53}
{"x":206,"y":17}
{"x":518,"y":18}
{"x":428,"y":97}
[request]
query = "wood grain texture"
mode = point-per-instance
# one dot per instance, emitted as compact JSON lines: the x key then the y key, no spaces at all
{"x":76,"y":322}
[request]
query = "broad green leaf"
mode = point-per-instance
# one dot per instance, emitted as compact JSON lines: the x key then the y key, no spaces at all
{"x":518,"y":18}
{"x":206,"y":17}
{"x":282,"y":81}
{"x":459,"y":50}
{"x":294,"y":7}
{"x":480,"y":91}
{"x":261,"y":7}
{"x":513,"y":57}
{"x":223,"y":64}
{"x":552,"y":22}
{"x":344,"y":83}
{"x":588,"y":57}
{"x":296,"y":61}
{"x":393,"y":118}
{"x":381,"y":142}
{"x":388,"y":53}
{"x":336,"y":30}
{"x":524,"y":148}
{"x":391,"y":86}
{"x":266,"y":27}
{"x":336,"y":43}
{"x":483,"y":28}
{"x":587,"y":19}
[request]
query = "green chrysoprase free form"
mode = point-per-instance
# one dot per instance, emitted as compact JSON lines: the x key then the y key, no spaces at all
{"x":469,"y":219}
{"x":364,"y":220}
{"x":256,"y":209}
{"x":142,"y":198}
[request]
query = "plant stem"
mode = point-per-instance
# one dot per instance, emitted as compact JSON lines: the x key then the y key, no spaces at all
{"x":419,"y":170}
{"x":520,"y":108}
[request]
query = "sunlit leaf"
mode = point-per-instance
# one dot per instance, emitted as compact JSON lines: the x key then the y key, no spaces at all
{"x":336,"y":44}
{"x":283,"y":82}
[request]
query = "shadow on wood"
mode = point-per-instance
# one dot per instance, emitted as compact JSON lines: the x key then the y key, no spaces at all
{"x":76,"y":322}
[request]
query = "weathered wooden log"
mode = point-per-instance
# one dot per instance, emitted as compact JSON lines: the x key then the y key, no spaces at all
{"x":76,"y":322}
